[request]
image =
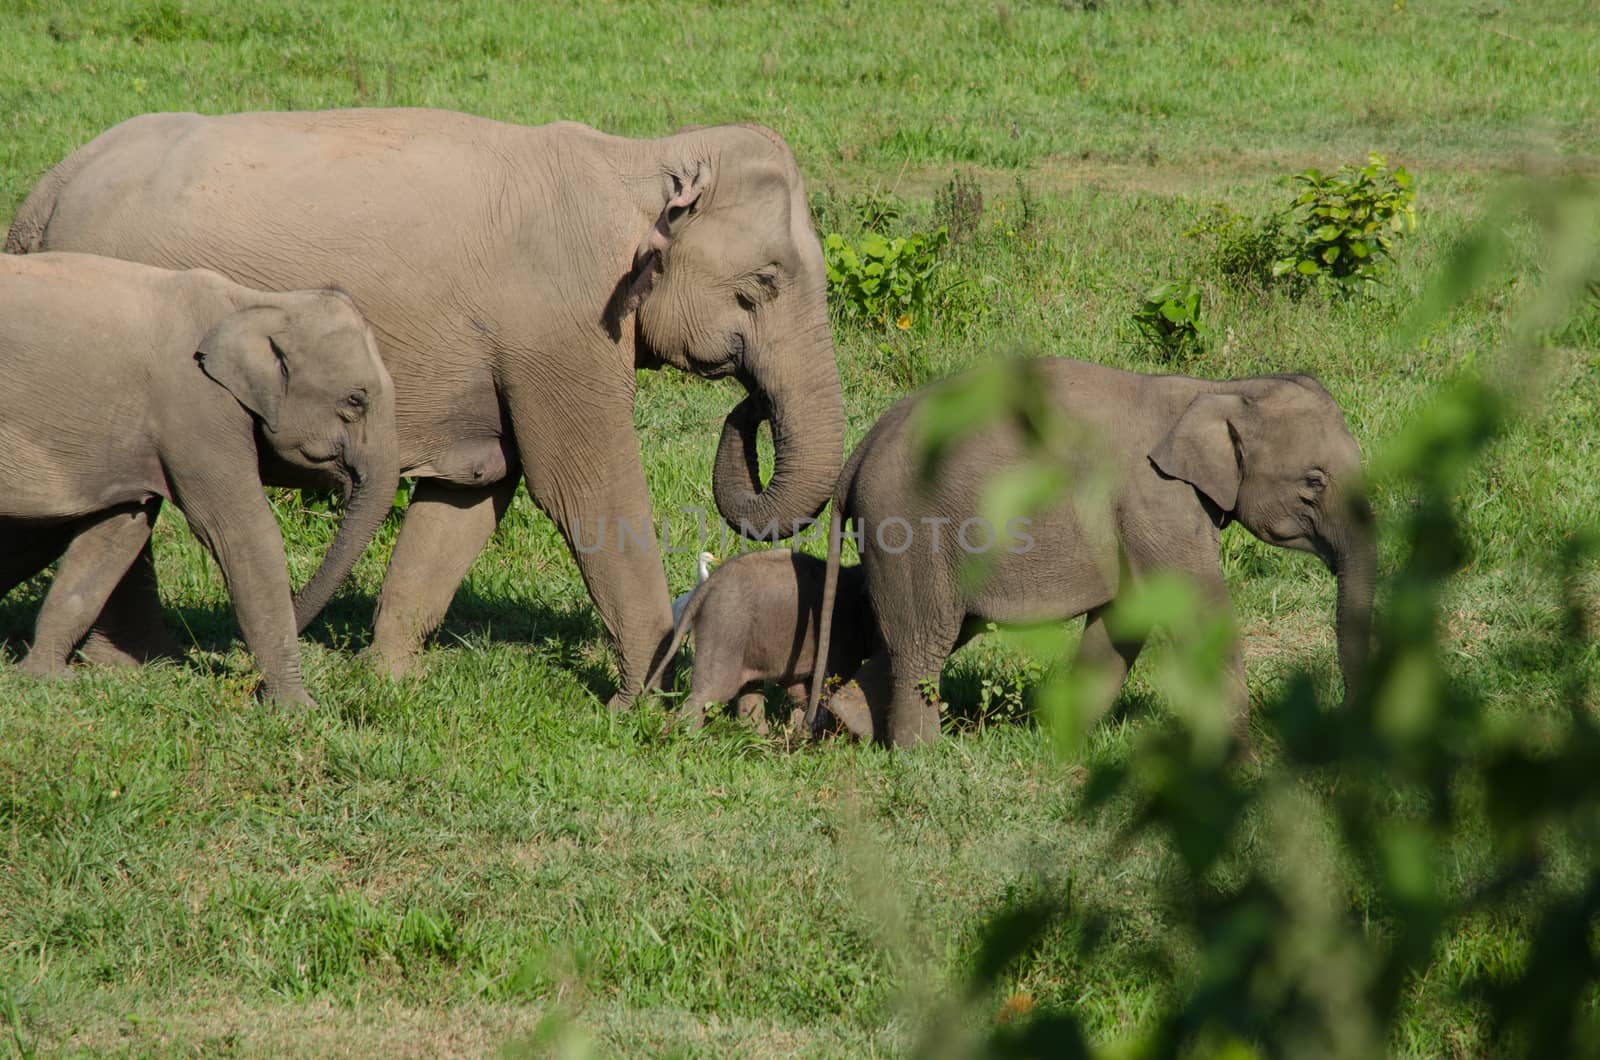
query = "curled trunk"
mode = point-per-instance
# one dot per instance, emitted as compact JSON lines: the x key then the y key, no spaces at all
{"x":803,"y":403}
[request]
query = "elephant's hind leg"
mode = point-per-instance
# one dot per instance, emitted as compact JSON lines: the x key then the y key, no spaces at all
{"x":915,"y":658}
{"x":1107,"y":660}
{"x":716,"y":680}
{"x":131,"y":629}
{"x":95,"y":562}
{"x":444,"y":530}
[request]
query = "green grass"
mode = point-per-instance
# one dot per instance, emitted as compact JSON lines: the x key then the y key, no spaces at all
{"x":483,"y":855}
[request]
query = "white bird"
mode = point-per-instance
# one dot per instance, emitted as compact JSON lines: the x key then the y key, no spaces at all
{"x":704,"y":570}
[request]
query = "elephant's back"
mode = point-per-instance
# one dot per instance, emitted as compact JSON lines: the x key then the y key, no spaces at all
{"x":177,"y":189}
{"x":71,"y":300}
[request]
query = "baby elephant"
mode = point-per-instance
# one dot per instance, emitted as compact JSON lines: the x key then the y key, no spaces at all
{"x":754,"y":620}
{"x":122,"y":386}
{"x":1155,"y":467}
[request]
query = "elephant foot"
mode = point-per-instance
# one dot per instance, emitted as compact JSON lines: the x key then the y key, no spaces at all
{"x":752,"y":710}
{"x":621,"y":701}
{"x":390,"y":663}
{"x":688,"y":718}
{"x":45,"y":668}
{"x":295,"y":700}
{"x":919,"y":732}
{"x":103,"y":649}
{"x":847,"y":707}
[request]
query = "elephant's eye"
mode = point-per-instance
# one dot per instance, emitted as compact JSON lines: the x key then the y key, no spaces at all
{"x":1315,"y":481}
{"x":763,"y":288}
{"x":356,"y":401}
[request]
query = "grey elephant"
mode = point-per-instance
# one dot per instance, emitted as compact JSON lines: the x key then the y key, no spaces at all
{"x":1159,"y":465}
{"x":123,"y":386}
{"x":754,"y":621}
{"x":516,"y":277}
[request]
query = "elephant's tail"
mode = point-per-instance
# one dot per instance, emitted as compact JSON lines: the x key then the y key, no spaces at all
{"x":33,"y":216}
{"x":680,"y":630}
{"x":830,"y":587}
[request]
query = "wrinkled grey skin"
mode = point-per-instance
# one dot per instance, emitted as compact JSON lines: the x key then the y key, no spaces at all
{"x":515,"y":278}
{"x":754,"y":621}
{"x":122,"y":386}
{"x":1160,"y":465}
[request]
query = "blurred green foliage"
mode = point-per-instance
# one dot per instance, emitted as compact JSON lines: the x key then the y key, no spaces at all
{"x":1312,"y":950}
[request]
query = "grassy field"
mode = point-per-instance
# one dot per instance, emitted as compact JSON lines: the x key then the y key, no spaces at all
{"x":484,"y":858}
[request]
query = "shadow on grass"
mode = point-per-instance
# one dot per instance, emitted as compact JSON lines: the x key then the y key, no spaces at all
{"x":345,"y":625}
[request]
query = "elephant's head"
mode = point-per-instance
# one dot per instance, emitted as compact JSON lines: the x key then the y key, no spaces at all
{"x":308,"y":369}
{"x":1274,"y":454}
{"x":729,"y":280}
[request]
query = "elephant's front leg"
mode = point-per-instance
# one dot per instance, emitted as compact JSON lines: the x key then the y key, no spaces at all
{"x":238,"y":528}
{"x":583,"y":469}
{"x":445,"y":528}
{"x":95,"y":562}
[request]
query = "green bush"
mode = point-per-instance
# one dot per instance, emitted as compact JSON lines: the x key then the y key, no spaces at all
{"x":1338,"y":232}
{"x":897,"y":283}
{"x":1243,"y":249}
{"x":1169,"y":319}
{"x":1343,"y":225}
{"x":882,"y":281}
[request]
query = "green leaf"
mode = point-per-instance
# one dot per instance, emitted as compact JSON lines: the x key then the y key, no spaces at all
{"x":1308,"y":268}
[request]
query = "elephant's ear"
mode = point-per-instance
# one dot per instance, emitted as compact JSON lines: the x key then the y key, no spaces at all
{"x":647,"y":258}
{"x":1202,"y":448}
{"x":240,"y":354}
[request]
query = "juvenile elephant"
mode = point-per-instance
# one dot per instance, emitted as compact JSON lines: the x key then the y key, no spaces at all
{"x":123,"y":385}
{"x":515,"y":278}
{"x":1162,"y":464}
{"x":754,"y":620}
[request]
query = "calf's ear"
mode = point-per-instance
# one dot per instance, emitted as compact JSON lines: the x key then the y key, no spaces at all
{"x":1203,"y":449}
{"x":241,"y":355}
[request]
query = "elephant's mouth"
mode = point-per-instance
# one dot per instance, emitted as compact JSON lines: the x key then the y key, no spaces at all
{"x":333,"y":465}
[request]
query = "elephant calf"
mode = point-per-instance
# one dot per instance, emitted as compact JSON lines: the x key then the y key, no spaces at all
{"x":1160,"y":464}
{"x":123,"y":385}
{"x":754,"y":620}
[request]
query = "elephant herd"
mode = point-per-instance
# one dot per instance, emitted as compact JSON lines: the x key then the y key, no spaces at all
{"x":198,"y":305}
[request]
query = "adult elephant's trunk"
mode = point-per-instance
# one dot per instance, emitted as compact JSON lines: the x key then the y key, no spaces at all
{"x":374,"y":478}
{"x":1355,"y":565}
{"x":801,"y":399}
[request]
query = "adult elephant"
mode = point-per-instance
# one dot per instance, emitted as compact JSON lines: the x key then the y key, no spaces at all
{"x":515,"y":278}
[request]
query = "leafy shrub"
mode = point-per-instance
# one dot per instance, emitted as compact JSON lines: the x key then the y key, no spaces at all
{"x":884,"y":282}
{"x":1169,"y":318}
{"x":900,"y":282}
{"x":1243,"y":249}
{"x":1337,"y":232}
{"x":1343,"y":225}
